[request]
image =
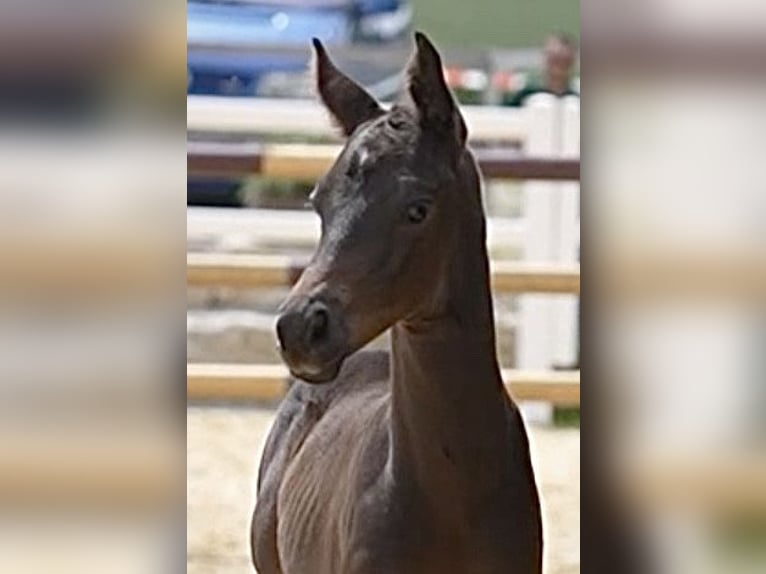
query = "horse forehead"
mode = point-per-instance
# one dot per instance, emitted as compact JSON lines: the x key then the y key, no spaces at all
{"x":377,"y":140}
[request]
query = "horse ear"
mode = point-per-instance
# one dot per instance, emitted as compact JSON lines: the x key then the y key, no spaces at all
{"x":428,"y":88}
{"x":348,"y":103}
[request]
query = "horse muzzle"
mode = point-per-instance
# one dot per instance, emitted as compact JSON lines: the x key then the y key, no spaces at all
{"x":313,"y":339}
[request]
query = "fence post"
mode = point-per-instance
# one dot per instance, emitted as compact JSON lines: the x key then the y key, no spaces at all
{"x":567,"y":324}
{"x":535,"y":338}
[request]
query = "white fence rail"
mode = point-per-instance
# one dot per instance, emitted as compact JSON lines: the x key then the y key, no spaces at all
{"x":547,"y":127}
{"x":241,"y":229}
{"x":307,"y":118}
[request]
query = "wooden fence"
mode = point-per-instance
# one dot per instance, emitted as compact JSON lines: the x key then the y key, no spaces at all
{"x":548,"y":129}
{"x":308,"y":162}
{"x":243,"y":271}
{"x":235,"y":382}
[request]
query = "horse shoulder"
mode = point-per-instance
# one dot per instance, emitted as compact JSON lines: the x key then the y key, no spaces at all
{"x":305,"y":425}
{"x":295,"y":419}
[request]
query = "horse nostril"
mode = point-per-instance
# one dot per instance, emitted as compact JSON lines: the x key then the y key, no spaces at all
{"x":317,"y":323}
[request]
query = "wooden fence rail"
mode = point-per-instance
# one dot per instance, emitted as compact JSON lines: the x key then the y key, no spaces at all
{"x":307,"y":162}
{"x":540,"y":127}
{"x":239,"y":382}
{"x":245,"y":271}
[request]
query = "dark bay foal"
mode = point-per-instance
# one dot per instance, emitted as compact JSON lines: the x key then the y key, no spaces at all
{"x":417,"y":461}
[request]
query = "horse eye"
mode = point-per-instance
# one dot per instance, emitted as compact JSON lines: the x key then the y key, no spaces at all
{"x":396,"y":122}
{"x":417,"y":212}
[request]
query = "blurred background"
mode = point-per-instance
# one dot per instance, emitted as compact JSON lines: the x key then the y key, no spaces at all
{"x":92,"y":216}
{"x":92,"y":213}
{"x":257,"y":142}
{"x":261,"y":49}
{"x":675,"y":203}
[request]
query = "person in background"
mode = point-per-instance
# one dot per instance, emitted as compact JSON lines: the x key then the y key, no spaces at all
{"x":560,"y":53}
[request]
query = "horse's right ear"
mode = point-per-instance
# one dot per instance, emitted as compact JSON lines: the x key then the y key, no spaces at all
{"x":430,"y":93}
{"x":348,"y":103}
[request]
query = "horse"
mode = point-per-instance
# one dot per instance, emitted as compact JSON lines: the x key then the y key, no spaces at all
{"x":414,"y":460}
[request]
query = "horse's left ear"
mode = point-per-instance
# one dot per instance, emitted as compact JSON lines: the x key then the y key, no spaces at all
{"x":428,"y":88}
{"x":348,"y":103}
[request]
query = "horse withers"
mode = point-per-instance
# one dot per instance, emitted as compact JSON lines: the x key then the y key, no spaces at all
{"x":414,"y":461}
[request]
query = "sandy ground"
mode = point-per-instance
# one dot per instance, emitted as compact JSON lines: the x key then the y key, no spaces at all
{"x":223,"y":449}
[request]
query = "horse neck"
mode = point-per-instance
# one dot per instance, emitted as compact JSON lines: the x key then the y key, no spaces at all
{"x":448,"y":419}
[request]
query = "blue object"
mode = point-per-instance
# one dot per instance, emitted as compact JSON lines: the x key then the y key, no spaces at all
{"x":275,"y":24}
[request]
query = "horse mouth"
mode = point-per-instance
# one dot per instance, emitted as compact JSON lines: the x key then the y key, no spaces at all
{"x":317,"y":374}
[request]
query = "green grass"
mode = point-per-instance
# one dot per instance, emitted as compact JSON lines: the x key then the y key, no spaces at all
{"x":495,"y":23}
{"x":741,"y":540}
{"x":566,"y":417}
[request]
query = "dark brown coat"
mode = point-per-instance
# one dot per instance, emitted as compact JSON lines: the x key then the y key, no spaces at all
{"x":414,"y":461}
